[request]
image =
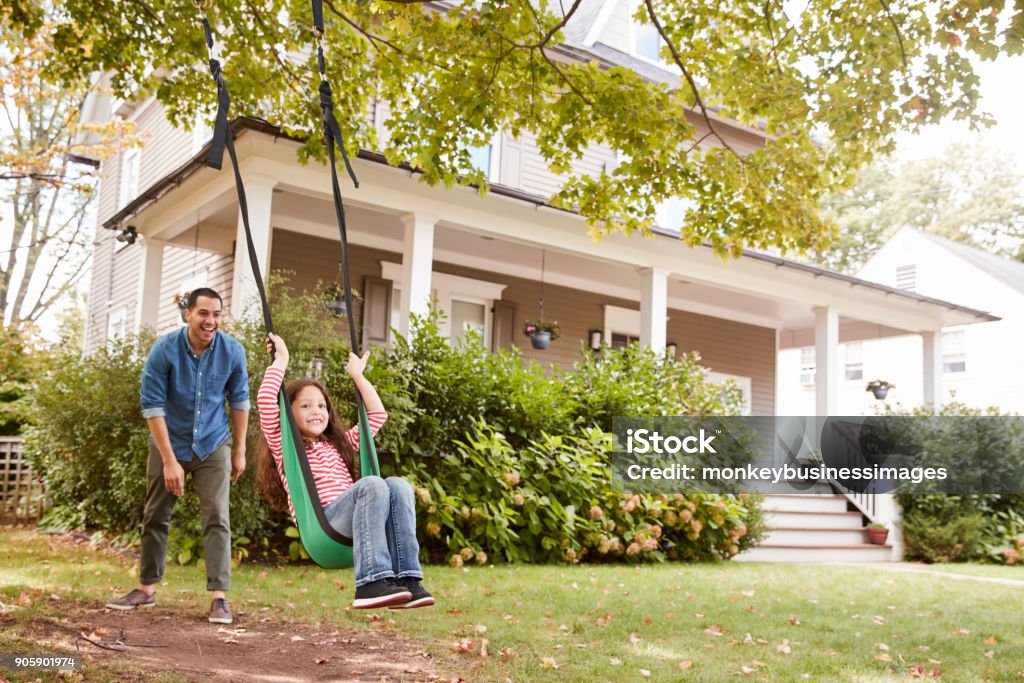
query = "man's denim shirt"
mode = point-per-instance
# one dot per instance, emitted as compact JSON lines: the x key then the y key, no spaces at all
{"x":188,"y":391}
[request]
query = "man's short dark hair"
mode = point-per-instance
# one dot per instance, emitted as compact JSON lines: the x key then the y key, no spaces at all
{"x":202,"y":291}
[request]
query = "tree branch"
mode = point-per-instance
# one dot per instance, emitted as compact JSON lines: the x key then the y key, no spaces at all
{"x":896,"y":28}
{"x":689,"y":79}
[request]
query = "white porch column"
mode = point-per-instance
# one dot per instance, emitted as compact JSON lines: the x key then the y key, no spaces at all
{"x":826,"y":361}
{"x":932,"y":369}
{"x":653,"y":308}
{"x":417,"y":265}
{"x":259,"y":193}
{"x":147,"y":302}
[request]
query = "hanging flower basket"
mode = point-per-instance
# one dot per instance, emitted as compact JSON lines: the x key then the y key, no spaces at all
{"x":541,"y":332}
{"x":181,"y":301}
{"x":880,"y":388}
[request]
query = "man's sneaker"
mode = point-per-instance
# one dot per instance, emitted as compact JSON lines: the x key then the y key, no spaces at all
{"x":380,"y":594}
{"x":220,"y":613}
{"x":420,"y":596}
{"x":137,"y":598}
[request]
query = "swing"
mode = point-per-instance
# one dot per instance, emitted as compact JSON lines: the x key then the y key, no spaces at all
{"x":323,"y":543}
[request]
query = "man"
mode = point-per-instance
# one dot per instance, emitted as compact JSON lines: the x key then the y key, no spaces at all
{"x":188,"y":375}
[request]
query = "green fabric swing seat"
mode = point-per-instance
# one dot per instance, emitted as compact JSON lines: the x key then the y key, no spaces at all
{"x":322,"y":542}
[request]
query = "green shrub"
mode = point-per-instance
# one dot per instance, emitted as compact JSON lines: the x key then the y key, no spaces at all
{"x":940,"y":527}
{"x":509,"y":461}
{"x":552,"y":500}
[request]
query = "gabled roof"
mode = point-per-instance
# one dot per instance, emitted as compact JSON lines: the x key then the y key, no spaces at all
{"x":1006,"y":270}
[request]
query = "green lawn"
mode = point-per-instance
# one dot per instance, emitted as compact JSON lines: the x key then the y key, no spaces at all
{"x":593,"y":623}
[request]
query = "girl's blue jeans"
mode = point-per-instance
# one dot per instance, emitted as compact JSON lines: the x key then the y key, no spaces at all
{"x":379,"y":515}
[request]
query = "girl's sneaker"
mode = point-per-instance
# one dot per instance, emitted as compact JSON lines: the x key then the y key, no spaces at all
{"x":381,"y":593}
{"x":420,"y":596}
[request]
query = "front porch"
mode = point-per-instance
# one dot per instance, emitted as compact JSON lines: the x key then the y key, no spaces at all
{"x":482,"y":258}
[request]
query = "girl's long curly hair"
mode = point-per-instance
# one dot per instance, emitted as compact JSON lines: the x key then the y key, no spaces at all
{"x":268,"y":482}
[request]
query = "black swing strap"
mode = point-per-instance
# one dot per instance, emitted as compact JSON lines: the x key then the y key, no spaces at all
{"x":332,"y":133}
{"x":223,"y":137}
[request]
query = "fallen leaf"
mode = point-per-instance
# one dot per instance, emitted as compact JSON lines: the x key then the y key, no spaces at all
{"x":883,"y":657}
{"x":645,"y":673}
{"x":990,"y":654}
{"x":483,"y":647}
{"x":615,"y":661}
{"x":603,"y":621}
{"x":794,"y":621}
{"x":747,"y":670}
{"x":685,"y":664}
{"x":962,"y":632}
{"x":784,"y":648}
{"x":506,"y":652}
{"x":883,"y":647}
{"x":878,"y":620}
{"x":464,"y":645}
{"x":297,"y":638}
{"x":634,"y":638}
{"x":748,"y":594}
{"x":714,"y":630}
{"x":320,"y":660}
{"x":548,"y":663}
{"x":480,"y":628}
{"x":991,"y":640}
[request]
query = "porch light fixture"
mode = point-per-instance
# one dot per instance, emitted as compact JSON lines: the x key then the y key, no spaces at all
{"x":128,"y":235}
{"x":594,"y":337}
{"x":671,"y":349}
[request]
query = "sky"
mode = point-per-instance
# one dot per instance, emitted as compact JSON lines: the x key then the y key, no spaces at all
{"x":1002,"y":97}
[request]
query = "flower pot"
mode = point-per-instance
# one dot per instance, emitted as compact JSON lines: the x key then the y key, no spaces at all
{"x":540,"y":340}
{"x":877,"y":536}
{"x":880,"y":392}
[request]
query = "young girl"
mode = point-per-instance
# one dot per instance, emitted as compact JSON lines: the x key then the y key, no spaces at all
{"x":379,"y":515}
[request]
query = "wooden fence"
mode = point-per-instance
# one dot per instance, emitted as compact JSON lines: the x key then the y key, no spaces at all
{"x":22,"y":497}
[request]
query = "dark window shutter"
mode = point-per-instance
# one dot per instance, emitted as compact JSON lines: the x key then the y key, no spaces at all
{"x":376,"y":311}
{"x":503,"y":331}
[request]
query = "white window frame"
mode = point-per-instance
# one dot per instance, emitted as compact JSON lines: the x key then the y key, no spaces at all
{"x":445,"y":288}
{"x":493,"y":169}
{"x":808,"y":368}
{"x":117,"y":323}
{"x":954,"y":351}
{"x":745,"y":384}
{"x":853,"y":359}
{"x":130,"y":166}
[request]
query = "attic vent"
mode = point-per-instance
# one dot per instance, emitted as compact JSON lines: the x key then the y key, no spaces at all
{"x":906,"y":277}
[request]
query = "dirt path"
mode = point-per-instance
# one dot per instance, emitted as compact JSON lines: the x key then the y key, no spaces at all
{"x":251,"y":649}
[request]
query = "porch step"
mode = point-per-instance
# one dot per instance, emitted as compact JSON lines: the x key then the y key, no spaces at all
{"x":799,"y":554}
{"x":812,"y":502}
{"x":814,"y":528}
{"x":799,"y":519}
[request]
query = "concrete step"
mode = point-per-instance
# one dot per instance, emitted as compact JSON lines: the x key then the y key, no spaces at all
{"x":805,"y":503}
{"x":813,"y":537}
{"x":799,"y":554}
{"x":820,"y":520}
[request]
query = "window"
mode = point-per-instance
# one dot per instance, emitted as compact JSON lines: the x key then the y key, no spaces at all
{"x":466,"y":302}
{"x":621,"y":341}
{"x":487,"y":159}
{"x":906,"y":278}
{"x":854,"y":361}
{"x":117,"y":324}
{"x":744,"y":383}
{"x":467,"y":316}
{"x":954,"y":357}
{"x":201,"y":134}
{"x":129,"y":176}
{"x":647,"y":41}
{"x":807,"y":365}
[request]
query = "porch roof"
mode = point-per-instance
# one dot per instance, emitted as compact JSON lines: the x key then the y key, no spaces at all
{"x":759,"y":288}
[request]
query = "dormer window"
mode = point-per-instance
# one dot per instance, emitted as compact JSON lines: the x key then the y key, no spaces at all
{"x":647,"y":41}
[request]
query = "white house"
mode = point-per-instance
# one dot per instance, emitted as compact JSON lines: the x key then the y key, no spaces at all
{"x":981,"y":365}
